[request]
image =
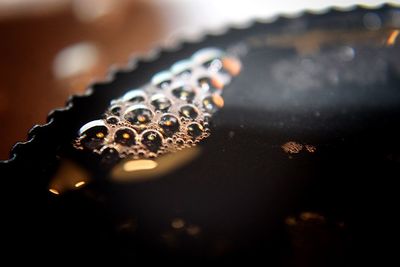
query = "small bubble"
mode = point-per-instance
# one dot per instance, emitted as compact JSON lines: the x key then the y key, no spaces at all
{"x":152,"y":140}
{"x":116,"y":110}
{"x":160,"y":102}
{"x":135,"y":96}
{"x":195,"y":129}
{"x":182,"y":67}
{"x":208,"y":84}
{"x":125,"y":137}
{"x":214,"y":65}
{"x":169,"y":124}
{"x":162,"y":79}
{"x":139,"y":114}
{"x":213,"y":103}
{"x":109,"y":155}
{"x":94,"y":136}
{"x":112,"y":120}
{"x":206,"y":55}
{"x":184,"y":92}
{"x":189,"y":111}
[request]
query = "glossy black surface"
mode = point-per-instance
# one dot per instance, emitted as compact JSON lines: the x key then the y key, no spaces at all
{"x":300,"y":168}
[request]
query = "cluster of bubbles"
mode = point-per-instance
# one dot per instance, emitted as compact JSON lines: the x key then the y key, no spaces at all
{"x":171,"y":112}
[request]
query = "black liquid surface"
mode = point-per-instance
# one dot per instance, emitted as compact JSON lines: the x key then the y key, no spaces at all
{"x":299,"y":169}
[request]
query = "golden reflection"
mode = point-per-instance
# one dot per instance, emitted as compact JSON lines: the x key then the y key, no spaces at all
{"x":217,"y":83}
{"x":139,"y":164}
{"x":100,"y":135}
{"x":178,"y":223}
{"x":232,"y":65}
{"x":310,"y":148}
{"x":54,"y":191}
{"x":292,"y":147}
{"x":69,"y":176}
{"x":218,"y":100}
{"x":391,"y":40}
{"x":79,"y":184}
{"x":139,"y":170}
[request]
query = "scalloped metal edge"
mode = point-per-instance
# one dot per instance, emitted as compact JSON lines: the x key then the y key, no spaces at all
{"x":173,"y":44}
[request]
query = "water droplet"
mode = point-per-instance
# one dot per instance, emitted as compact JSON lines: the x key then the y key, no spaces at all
{"x":134,"y":96}
{"x":162,"y":79}
{"x":206,"y":56}
{"x":125,"y":136}
{"x":209,"y":84}
{"x":110,"y":155}
{"x":112,"y":120}
{"x":182,"y":67}
{"x":189,"y":111}
{"x":169,"y":124}
{"x":93,"y":133}
{"x":115,"y":110}
{"x":213,"y":102}
{"x":214,"y":65}
{"x":138,"y":114}
{"x":160,"y":102}
{"x":184,"y":92}
{"x":195,"y":129}
{"x":152,"y":140}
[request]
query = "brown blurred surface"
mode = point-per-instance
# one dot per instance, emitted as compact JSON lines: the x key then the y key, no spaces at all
{"x":30,"y":88}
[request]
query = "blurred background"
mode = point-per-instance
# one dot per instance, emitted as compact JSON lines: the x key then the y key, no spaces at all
{"x":51,"y":49}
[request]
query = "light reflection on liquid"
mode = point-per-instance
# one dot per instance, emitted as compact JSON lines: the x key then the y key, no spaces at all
{"x":69,"y":176}
{"x":391,"y":40}
{"x":54,"y":191}
{"x":139,"y":170}
{"x":139,"y":164}
{"x":293,"y":147}
{"x":79,"y":184}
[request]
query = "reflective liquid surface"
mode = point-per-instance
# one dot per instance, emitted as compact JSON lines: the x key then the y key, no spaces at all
{"x":298,"y":167}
